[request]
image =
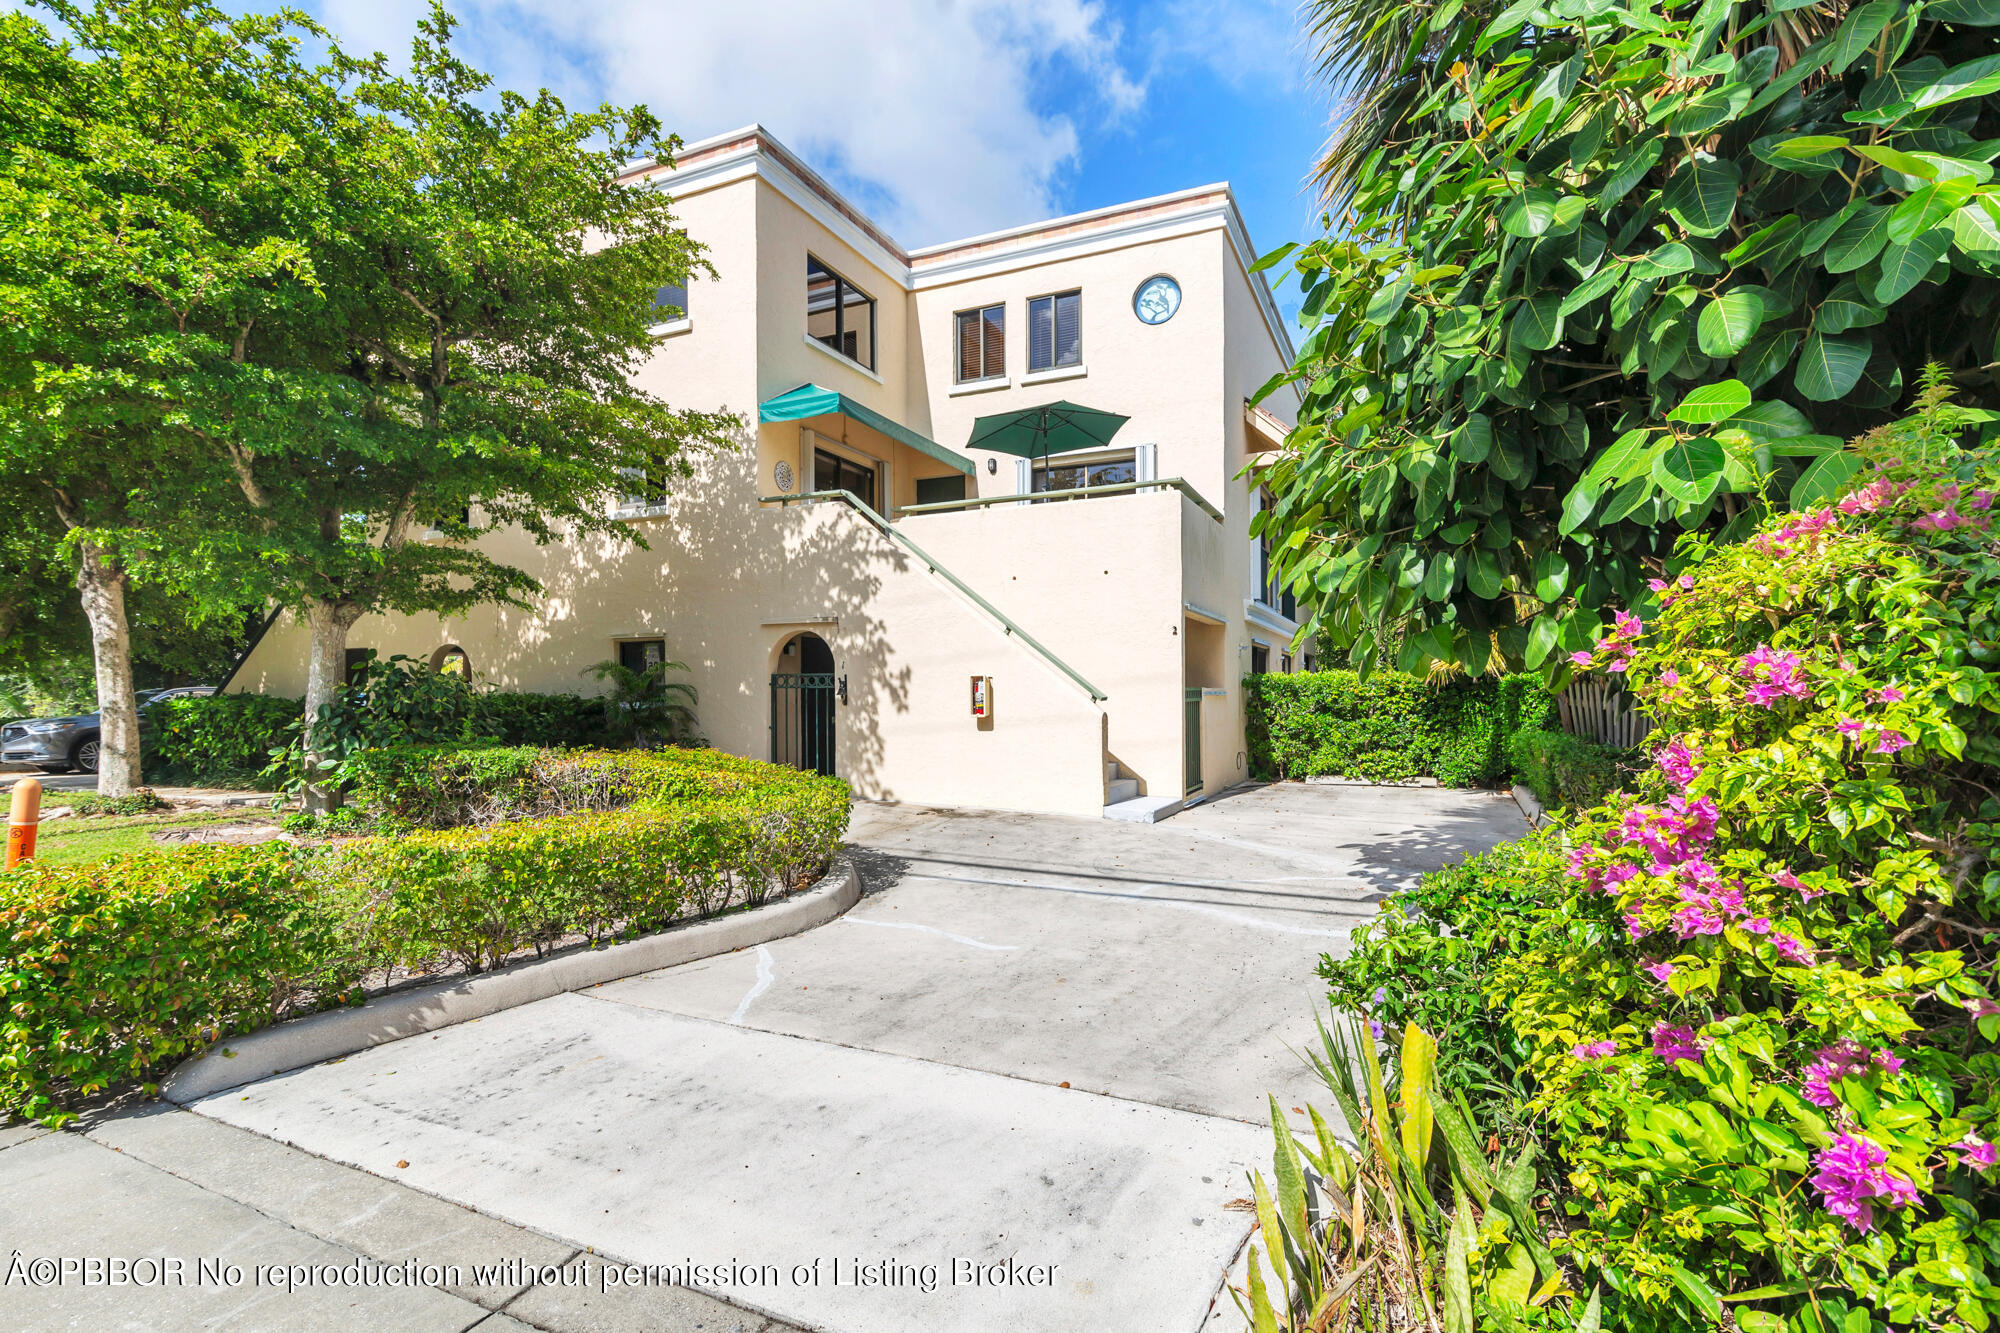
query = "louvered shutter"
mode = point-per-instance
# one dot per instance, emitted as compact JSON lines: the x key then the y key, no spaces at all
{"x":1069,"y":329}
{"x":1041,"y":333}
{"x":993,"y":333}
{"x":968,"y":347}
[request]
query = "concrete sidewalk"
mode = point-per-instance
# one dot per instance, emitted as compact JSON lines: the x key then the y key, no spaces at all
{"x":1038,"y":1046}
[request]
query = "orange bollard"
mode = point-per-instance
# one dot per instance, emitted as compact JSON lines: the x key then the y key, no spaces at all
{"x":22,"y":818}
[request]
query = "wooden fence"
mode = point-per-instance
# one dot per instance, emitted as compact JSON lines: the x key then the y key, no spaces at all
{"x":1601,"y":709}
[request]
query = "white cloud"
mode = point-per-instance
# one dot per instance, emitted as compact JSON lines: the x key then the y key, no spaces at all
{"x":930,"y":112}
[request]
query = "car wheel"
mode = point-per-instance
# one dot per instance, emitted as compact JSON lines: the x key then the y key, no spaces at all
{"x":84,"y":757}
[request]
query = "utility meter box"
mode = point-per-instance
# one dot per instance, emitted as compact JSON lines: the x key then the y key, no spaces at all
{"x":982,"y":696}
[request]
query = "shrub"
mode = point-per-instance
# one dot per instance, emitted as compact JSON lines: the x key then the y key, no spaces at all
{"x":1389,"y":727}
{"x":219,"y":940}
{"x":116,"y":969}
{"x":139,"y":801}
{"x":1429,"y":957}
{"x":1758,"y":995}
{"x":218,"y":740}
{"x":1565,"y":771}
{"x":538,"y":719}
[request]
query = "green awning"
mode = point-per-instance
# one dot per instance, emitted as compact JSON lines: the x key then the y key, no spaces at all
{"x":809,"y":400}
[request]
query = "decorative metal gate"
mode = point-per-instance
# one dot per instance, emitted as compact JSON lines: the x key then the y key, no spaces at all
{"x":1192,"y":728}
{"x":802,"y":720}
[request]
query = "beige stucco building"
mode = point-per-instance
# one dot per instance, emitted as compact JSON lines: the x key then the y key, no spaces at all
{"x":1111,"y":631}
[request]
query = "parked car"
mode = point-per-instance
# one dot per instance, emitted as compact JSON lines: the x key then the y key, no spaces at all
{"x":62,"y":743}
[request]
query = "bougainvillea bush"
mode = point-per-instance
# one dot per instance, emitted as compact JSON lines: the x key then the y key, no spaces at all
{"x":1760,"y":995}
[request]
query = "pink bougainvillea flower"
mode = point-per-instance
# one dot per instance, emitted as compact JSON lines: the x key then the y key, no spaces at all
{"x":1981,"y":1008}
{"x":1661,"y":970}
{"x":1843,"y":1059}
{"x":1581,"y":658}
{"x":1977,"y":1153}
{"x":1889,"y":694}
{"x":1676,"y":1041}
{"x":1980,"y":499}
{"x":1686,"y":581}
{"x":1851,"y":1179}
{"x":1658,"y":585}
{"x":1851,"y":727}
{"x":1593,"y":1050}
{"x":1676,"y":760}
{"x":1635,"y":925}
{"x":1670,"y":677}
{"x":1758,"y":925}
{"x":1774,"y":675}
{"x":1942,"y":520}
{"x":1791,"y":948}
{"x":1891,"y":741}
{"x":1627,"y":623}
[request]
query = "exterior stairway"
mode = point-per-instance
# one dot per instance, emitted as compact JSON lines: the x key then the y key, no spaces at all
{"x":1126,"y":803}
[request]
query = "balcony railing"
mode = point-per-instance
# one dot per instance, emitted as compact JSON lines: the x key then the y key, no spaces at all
{"x":1081,"y":493}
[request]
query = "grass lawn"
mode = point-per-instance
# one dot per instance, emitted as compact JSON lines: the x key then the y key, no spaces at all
{"x":75,"y":841}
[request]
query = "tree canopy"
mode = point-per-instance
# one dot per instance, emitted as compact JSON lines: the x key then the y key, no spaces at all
{"x":1616,"y":271}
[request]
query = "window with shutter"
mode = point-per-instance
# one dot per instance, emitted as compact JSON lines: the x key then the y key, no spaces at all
{"x":982,"y":344}
{"x":1055,"y":331}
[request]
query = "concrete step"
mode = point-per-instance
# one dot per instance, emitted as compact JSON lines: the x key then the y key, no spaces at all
{"x":1122,"y":789}
{"x":1111,"y":771}
{"x":1144,"y":809}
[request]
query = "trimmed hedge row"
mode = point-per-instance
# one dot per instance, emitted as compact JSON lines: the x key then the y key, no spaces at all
{"x":113,"y":971}
{"x":228,"y":739}
{"x":1391,"y":727}
{"x":1565,"y":771}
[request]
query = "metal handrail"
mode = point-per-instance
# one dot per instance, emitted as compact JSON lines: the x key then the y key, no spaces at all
{"x":888,"y":530}
{"x":1036,"y":497}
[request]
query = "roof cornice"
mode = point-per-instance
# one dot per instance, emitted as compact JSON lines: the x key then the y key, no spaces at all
{"x":753,"y":151}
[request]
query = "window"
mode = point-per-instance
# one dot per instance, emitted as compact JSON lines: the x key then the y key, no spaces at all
{"x":451,"y":660}
{"x":1055,"y":331}
{"x":833,"y":472}
{"x":1271,"y":588}
{"x":1285,"y":663}
{"x":639,"y":656}
{"x":649,"y":487}
{"x":1260,"y":659}
{"x":940,"y":490}
{"x":839,"y":314}
{"x":1055,"y":476}
{"x":670,"y":303}
{"x":982,"y":344}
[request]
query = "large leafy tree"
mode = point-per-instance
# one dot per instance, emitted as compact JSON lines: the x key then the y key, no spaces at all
{"x":483,"y":282}
{"x":117,"y":158}
{"x":1612,"y":270}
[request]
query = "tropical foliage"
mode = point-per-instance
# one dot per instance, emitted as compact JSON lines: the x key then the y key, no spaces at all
{"x":1619,"y":270}
{"x":1756,"y":995}
{"x":1389,"y":727}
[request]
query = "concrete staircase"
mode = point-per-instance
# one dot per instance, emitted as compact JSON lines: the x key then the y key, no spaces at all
{"x":1125,"y":802}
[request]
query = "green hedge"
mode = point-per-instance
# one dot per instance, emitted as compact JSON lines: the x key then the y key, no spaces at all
{"x":1390,"y":727}
{"x":217,"y":740}
{"x":1564,"y":771}
{"x":228,"y":739}
{"x":115,"y":970}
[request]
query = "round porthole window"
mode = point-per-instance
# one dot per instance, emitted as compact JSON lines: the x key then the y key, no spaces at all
{"x":782,"y":474}
{"x":1157,"y":299}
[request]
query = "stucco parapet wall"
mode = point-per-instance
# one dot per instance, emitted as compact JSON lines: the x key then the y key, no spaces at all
{"x":392,"y":1017}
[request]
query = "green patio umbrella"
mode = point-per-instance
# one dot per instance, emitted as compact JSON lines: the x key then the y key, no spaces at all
{"x":1054,"y":428}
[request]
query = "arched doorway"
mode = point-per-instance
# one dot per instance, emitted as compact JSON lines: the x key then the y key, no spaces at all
{"x":802,"y":704}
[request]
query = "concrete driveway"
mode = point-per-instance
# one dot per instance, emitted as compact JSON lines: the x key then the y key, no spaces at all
{"x":1016,"y":1088}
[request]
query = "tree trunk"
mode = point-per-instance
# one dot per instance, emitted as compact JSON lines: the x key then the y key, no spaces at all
{"x":102,"y":582}
{"x":326,"y":669}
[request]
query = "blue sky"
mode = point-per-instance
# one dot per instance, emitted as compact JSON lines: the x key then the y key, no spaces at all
{"x":941,"y":118}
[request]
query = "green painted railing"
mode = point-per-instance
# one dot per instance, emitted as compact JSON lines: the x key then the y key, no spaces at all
{"x":1117,"y":488}
{"x":888,"y":530}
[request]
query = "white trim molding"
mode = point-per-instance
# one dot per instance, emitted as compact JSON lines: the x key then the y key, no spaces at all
{"x":1263,"y":616}
{"x":841,"y":357}
{"x":672,"y":327}
{"x":980,"y":386}
{"x":1054,"y":376}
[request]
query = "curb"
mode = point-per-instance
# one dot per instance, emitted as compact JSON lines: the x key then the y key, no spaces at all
{"x":1532,"y":808}
{"x":340,"y":1032}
